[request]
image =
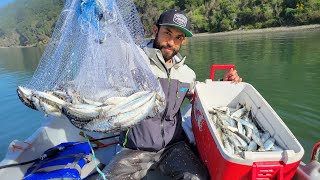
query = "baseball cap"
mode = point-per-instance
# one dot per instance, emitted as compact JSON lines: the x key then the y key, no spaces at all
{"x":176,"y":18}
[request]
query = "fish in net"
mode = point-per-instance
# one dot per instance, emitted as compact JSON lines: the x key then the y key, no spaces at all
{"x":92,"y":71}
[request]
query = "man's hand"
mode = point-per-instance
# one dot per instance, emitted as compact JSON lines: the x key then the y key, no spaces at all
{"x":232,"y":75}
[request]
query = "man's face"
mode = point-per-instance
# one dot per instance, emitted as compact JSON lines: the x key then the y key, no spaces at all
{"x":169,"y":40}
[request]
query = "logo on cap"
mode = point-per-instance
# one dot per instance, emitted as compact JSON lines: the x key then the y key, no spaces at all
{"x":180,"y":19}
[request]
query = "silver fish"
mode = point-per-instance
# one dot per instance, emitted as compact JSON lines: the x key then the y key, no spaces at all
{"x":224,"y":109}
{"x":265,"y":136}
{"x":240,"y":128}
{"x":219,"y":134}
{"x":88,"y":101}
{"x":231,"y":121}
{"x":234,"y":141}
{"x":252,"y":146}
{"x":99,"y":125}
{"x":25,"y":91}
{"x":238,"y":113}
{"x":132,"y":102}
{"x":213,"y":118}
{"x":269,"y":143}
{"x":242,"y":136}
{"x":123,"y":120}
{"x":233,"y":129}
{"x":114,"y":100}
{"x":81,"y":114}
{"x":160,"y":105}
{"x":256,"y":137}
{"x":49,"y":109}
{"x":145,"y":111}
{"x":248,"y":132}
{"x":134,"y":114}
{"x":25,"y":97}
{"x":246,"y":123}
{"x":36,"y":102}
{"x":247,"y":135}
{"x":50,"y":99}
{"x":242,"y":142}
{"x":60,"y":94}
{"x":227,"y":145}
{"x":84,"y":106}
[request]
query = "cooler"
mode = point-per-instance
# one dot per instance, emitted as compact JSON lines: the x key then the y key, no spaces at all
{"x":253,"y":165}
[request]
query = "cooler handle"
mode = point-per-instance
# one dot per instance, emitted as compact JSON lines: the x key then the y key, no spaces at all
{"x":315,"y":152}
{"x":219,"y":67}
{"x":267,"y":170}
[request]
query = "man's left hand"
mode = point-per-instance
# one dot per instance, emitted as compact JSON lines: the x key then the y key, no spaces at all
{"x":232,"y":75}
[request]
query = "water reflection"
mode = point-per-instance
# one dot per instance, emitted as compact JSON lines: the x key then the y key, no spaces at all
{"x":20,"y":59}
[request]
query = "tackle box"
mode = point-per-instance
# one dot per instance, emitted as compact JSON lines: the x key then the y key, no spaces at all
{"x":252,"y":165}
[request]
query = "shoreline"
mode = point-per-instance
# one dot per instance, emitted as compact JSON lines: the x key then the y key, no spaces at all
{"x":234,"y":32}
{"x":264,"y":30}
{"x":29,"y":46}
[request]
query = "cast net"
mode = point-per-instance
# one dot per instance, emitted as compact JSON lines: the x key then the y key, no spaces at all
{"x":93,"y":71}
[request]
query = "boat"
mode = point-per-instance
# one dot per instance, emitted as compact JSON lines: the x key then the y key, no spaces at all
{"x":55,"y":131}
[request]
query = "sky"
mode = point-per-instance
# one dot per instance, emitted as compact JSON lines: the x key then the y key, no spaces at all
{"x":5,"y":2}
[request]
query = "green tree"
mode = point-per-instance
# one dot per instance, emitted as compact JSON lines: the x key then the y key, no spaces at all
{"x":31,"y":22}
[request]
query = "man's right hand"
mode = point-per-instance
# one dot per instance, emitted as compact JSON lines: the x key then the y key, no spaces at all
{"x":232,"y":75}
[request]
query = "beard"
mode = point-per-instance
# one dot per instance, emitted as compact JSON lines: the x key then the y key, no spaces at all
{"x":166,"y":56}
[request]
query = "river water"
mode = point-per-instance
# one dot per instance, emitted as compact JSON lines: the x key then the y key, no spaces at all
{"x":284,"y":67}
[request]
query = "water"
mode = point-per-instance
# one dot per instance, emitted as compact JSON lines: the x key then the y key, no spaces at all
{"x":17,"y":121}
{"x":283,"y":67}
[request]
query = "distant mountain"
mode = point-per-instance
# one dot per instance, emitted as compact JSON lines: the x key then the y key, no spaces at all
{"x":28,"y":22}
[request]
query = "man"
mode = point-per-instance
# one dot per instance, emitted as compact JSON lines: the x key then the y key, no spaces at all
{"x":159,"y":143}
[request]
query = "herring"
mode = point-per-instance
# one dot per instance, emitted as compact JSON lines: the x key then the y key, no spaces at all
{"x":242,"y":130}
{"x":114,"y":113}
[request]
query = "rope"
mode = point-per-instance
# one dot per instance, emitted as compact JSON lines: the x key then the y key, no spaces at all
{"x":94,"y":158}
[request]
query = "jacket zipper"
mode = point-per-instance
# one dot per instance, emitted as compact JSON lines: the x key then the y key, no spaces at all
{"x":165,"y":112}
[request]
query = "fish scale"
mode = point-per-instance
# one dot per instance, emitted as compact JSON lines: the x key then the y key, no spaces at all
{"x":98,"y":125}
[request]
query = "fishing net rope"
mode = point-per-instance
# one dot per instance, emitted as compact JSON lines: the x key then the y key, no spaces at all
{"x":92,"y":71}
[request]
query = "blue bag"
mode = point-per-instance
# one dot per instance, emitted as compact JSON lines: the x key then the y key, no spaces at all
{"x":64,"y":161}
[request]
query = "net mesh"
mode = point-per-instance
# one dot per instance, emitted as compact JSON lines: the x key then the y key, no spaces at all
{"x":95,"y":54}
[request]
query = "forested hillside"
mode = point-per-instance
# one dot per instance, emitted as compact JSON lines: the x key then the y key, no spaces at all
{"x":28,"y":22}
{"x":226,"y":15}
{"x":31,"y":22}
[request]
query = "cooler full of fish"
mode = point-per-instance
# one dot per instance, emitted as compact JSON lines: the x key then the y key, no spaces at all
{"x":239,"y":135}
